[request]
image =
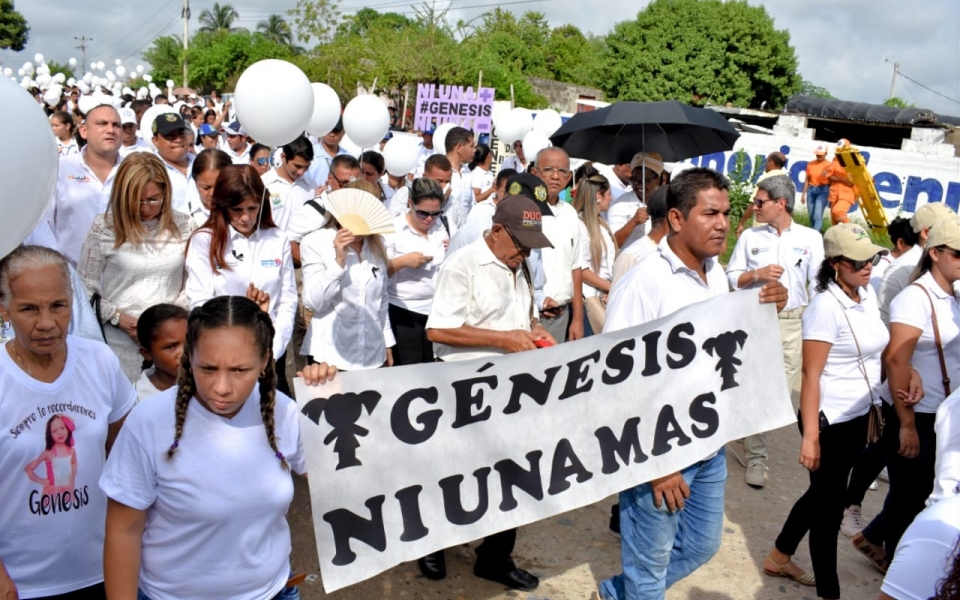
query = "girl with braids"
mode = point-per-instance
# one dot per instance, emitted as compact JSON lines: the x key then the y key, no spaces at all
{"x":185,"y":517}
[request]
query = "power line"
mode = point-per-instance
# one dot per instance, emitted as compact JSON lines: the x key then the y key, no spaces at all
{"x":82,"y":47}
{"x":138,"y":30}
{"x":929,"y":89}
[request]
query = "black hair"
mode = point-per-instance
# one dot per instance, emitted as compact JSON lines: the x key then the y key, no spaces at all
{"x":299,"y":147}
{"x":372,"y":157}
{"x":159,"y":96}
{"x":778,"y":159}
{"x":344,"y":160}
{"x":151,"y":320}
{"x":457,"y":136}
{"x":502,"y":176}
{"x":825,"y":274}
{"x":584,"y":171}
{"x":140,"y":103}
{"x":256,"y":148}
{"x":439,"y":162}
{"x":220,"y":312}
{"x":657,"y":205}
{"x":900,"y":229}
{"x":683,"y":190}
{"x":425,"y":189}
{"x":479,"y":156}
{"x":210,"y":159}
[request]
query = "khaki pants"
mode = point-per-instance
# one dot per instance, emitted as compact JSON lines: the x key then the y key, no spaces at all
{"x":791,"y":338}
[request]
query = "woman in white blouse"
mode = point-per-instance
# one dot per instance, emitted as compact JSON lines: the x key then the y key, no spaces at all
{"x":205,"y":170}
{"x":133,"y":255}
{"x":923,"y":316}
{"x":597,"y":246}
{"x":241,"y":252}
{"x":416,"y":250}
{"x":481,"y":179}
{"x":65,"y":130}
{"x":345,"y":285}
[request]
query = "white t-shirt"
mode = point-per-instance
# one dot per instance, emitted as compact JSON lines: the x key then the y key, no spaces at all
{"x":562,"y":228}
{"x":925,"y":553}
{"x":629,"y":257}
{"x":461,"y":199}
{"x":911,"y":307}
{"x":145,"y":387}
{"x":216,"y":525}
{"x":181,"y":184}
{"x":896,"y":277}
{"x":605,"y":269}
{"x":413,"y":288}
{"x":876,"y":275}
{"x":52,"y":533}
{"x":844,"y":394}
{"x":621,"y":210}
{"x":398,"y":204}
{"x":481,"y":179}
{"x":285,"y":197}
{"x":512,"y":162}
{"x":946,"y":481}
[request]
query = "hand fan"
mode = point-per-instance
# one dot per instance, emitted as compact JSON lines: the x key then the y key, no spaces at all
{"x":360,"y":212}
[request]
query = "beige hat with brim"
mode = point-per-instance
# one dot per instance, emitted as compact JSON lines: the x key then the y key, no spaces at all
{"x":850,"y":240}
{"x":945,"y":233}
{"x":929,"y":215}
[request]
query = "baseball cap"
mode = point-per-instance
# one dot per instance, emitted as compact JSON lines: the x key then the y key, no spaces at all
{"x":127,"y":116}
{"x":929,"y":215}
{"x":649,"y":160}
{"x":945,"y":233}
{"x":167,"y":123}
{"x":850,"y":240}
{"x":843,"y":143}
{"x":522,"y":217}
{"x":529,"y":186}
{"x":821,"y":150}
{"x":235,"y":129}
{"x":206,"y":129}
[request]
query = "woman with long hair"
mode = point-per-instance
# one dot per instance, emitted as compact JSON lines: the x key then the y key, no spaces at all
{"x":481,"y":179}
{"x":199,"y":482}
{"x":52,"y":512}
{"x":133,"y":256}
{"x":597,"y":246}
{"x":65,"y":130}
{"x":205,"y":170}
{"x":372,"y":168}
{"x":415,"y":251}
{"x":241,"y":252}
{"x":345,"y":285}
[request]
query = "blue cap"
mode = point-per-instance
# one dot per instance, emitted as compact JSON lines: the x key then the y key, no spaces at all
{"x":206,"y":129}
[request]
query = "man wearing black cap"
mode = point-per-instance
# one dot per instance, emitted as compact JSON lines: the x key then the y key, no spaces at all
{"x":483,"y":306}
{"x":172,"y":137}
{"x":324,"y":153}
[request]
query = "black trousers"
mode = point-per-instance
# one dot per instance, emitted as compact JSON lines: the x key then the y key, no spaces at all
{"x":410,"y":331}
{"x":865,"y":470}
{"x":496,"y":549}
{"x":94,"y":592}
{"x":820,"y":510}
{"x":911,"y":479}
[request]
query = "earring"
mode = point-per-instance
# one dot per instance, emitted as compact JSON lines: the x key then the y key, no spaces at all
{"x":836,"y":275}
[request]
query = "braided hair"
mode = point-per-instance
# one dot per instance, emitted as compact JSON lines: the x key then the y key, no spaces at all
{"x":229,"y":311}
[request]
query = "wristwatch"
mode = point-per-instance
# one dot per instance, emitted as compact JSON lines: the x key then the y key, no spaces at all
{"x":115,"y":319}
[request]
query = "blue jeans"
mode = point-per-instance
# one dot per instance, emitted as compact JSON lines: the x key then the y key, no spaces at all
{"x":287,"y":593}
{"x":659,"y":548}
{"x":816,"y":203}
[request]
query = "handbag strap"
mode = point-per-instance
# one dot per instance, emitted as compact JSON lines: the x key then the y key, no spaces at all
{"x":936,"y":337}
{"x":863,"y":366}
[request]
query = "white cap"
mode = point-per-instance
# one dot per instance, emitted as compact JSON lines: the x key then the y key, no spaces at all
{"x":127,"y":116}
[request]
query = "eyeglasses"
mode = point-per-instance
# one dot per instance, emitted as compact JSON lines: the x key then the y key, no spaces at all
{"x":951,"y":251}
{"x":549,"y":171}
{"x":859,"y":265}
{"x":343,"y":183}
{"x":426,"y":214}
{"x":263,"y":161}
{"x":759,"y":203}
{"x":520,"y":247}
{"x":151,"y":201}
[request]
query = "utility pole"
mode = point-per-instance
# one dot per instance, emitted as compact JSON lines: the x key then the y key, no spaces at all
{"x":82,"y":47}
{"x":896,"y":70}
{"x":185,"y":13}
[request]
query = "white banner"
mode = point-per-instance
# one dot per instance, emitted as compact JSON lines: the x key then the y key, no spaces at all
{"x":408,"y":460}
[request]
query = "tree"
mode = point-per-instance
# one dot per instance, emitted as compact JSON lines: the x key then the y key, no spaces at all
{"x":572,"y":57}
{"x":315,"y":20}
{"x":217,"y":59}
{"x":276,"y":30}
{"x":56,"y":67}
{"x":701,"y":51}
{"x":807,"y":88}
{"x":165,"y":55}
{"x":14,"y":30}
{"x":218,"y":18}
{"x":895,"y":102}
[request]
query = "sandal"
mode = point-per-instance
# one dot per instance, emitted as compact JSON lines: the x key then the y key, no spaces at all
{"x":875,"y":554}
{"x":777,"y":570}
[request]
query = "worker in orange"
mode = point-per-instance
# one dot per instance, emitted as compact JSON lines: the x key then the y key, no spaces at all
{"x":816,"y":187}
{"x":843,"y":194}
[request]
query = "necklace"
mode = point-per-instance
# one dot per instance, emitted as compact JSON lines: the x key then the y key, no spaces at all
{"x":23,"y":363}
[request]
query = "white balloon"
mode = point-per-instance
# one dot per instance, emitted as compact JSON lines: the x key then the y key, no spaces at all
{"x":101,"y":65}
{"x":146,"y":122}
{"x":148,"y":78}
{"x":440,"y":136}
{"x":86,"y":103}
{"x":84,"y":87}
{"x":28,"y":168}
{"x":142,"y":93}
{"x":400,"y":156}
{"x":526,"y":118}
{"x":43,"y":70}
{"x":21,"y":72}
{"x":93,"y":66}
{"x":273,"y":101}
{"x":534,"y":142}
{"x":43,"y":80}
{"x":118,"y":62}
{"x":139,"y":68}
{"x":28,"y":68}
{"x":366,"y":119}
{"x":326,"y":110}
{"x":38,"y":58}
{"x":25,"y":83}
{"x":111,"y":77}
{"x":59,"y":78}
{"x":548,"y":121}
{"x":352,"y":148}
{"x":169,"y":83}
{"x":72,"y":62}
{"x":72,"y":81}
{"x":8,"y":72}
{"x":53,"y":95}
{"x":509,"y":128}
{"x":121,"y":71}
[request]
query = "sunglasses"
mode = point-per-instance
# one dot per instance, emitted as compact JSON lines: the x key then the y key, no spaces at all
{"x":263,"y":161}
{"x":759,"y":203}
{"x":427,"y":214}
{"x":951,"y":251}
{"x":859,"y":265}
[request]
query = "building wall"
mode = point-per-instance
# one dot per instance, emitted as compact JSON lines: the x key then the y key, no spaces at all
{"x":563,"y":96}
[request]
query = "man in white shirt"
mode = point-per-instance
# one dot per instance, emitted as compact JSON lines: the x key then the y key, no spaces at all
{"x":517,"y":162}
{"x":425,"y":150}
{"x":619,"y":176}
{"x":562,"y":312}
{"x":131,"y":141}
{"x":663,"y":544}
{"x":778,"y":250}
{"x":627,"y":215}
{"x":207,"y":138}
{"x":897,"y":275}
{"x":483,"y":307}
{"x":311,"y":215}
{"x":285,"y":184}
{"x":659,"y":228}
{"x":171,"y":136}
{"x":460,"y":147}
{"x":774,"y":165}
{"x":323,"y":154}
{"x":85,"y":180}
{"x":237,"y":148}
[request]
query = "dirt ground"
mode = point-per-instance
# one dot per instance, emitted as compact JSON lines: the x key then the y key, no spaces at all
{"x":573,"y":552}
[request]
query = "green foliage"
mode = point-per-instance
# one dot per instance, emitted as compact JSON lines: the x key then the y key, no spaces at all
{"x":165,"y":56}
{"x":14,"y":30}
{"x":807,"y":88}
{"x":315,"y":20}
{"x":276,"y":29}
{"x":64,"y":68}
{"x":219,"y":18}
{"x":741,"y":185}
{"x":572,"y":57}
{"x":896,"y":102}
{"x":701,"y":51}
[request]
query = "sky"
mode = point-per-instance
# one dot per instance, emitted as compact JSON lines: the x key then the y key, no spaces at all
{"x":844,"y":47}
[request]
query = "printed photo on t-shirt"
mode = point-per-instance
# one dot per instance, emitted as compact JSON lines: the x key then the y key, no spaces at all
{"x":55,"y":469}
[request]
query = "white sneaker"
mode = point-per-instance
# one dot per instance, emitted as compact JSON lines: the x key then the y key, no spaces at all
{"x":874,"y":485}
{"x":883,"y":475}
{"x":851,"y":525}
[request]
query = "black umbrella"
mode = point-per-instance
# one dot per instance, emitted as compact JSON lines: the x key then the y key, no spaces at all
{"x":613,"y":134}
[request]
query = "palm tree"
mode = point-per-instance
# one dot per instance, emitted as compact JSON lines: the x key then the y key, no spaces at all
{"x":276,"y":29}
{"x":219,"y":18}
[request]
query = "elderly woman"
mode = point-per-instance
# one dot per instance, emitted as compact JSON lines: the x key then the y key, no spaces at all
{"x":63,"y":400}
{"x":134,"y":254}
